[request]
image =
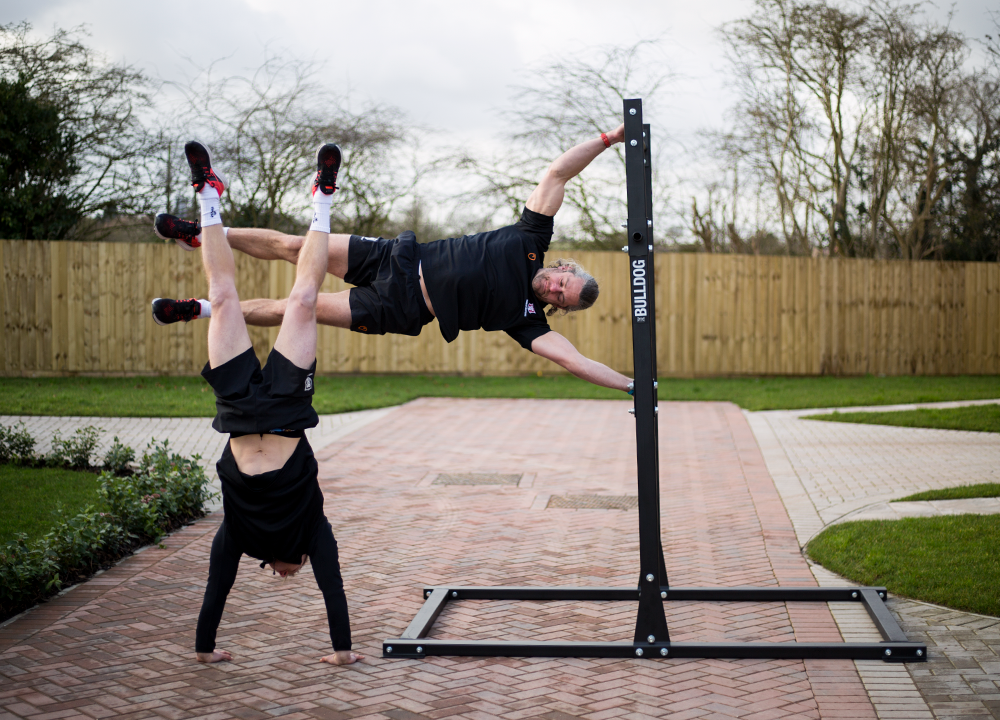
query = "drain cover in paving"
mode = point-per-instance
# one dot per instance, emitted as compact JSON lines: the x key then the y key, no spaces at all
{"x":477,"y":479}
{"x":594,"y":502}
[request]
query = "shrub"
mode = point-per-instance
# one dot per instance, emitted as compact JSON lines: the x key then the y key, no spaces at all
{"x":16,"y":444}
{"x":75,"y":452}
{"x":118,"y":457}
{"x":75,"y":548}
{"x":166,"y":491}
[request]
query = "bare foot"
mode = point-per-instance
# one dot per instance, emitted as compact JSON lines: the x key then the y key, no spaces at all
{"x":213,"y":657}
{"x":343,"y":657}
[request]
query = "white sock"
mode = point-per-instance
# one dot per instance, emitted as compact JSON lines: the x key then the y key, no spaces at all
{"x":206,"y":309}
{"x":321,"y":212}
{"x":209,"y":199}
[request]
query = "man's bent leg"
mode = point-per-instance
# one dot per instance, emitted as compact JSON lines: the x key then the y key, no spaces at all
{"x":274,"y":245}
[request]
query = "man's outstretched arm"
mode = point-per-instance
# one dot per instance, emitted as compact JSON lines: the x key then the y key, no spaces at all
{"x":562,"y":352}
{"x":547,"y":198}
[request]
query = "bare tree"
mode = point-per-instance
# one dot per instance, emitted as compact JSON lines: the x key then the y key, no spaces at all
{"x":103,"y":106}
{"x":802,"y":78}
{"x":847,"y":118}
{"x":266,"y":128}
{"x":566,"y":101}
{"x":924,"y":165}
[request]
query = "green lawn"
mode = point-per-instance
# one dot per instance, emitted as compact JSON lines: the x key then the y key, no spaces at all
{"x":982,"y":490}
{"x":29,"y":496}
{"x":983,"y":418}
{"x":191,"y":396}
{"x":952,"y":561}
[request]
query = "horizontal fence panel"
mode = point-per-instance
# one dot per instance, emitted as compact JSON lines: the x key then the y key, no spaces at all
{"x":71,"y":308}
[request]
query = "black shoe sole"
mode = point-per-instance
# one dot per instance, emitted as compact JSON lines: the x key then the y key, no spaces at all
{"x":328,"y":159}
{"x":199,"y":158}
{"x":156,"y":319}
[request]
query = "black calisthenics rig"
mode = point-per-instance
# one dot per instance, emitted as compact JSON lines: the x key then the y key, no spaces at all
{"x":651,"y":638}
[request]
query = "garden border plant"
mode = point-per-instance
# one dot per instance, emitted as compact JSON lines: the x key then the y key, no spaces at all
{"x":142,"y":502}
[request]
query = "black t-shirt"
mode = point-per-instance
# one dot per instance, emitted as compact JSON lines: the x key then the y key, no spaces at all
{"x":272,"y":515}
{"x":484,"y":281}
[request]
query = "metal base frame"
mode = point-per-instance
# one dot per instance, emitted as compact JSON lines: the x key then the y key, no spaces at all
{"x":652,"y":637}
{"x":894,"y":648}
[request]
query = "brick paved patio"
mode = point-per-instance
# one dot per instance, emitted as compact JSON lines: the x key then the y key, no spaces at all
{"x":831,"y":472}
{"x":120,"y":645}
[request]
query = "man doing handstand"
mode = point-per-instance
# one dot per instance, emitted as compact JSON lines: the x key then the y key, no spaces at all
{"x":270,"y":493}
{"x":494,"y":280}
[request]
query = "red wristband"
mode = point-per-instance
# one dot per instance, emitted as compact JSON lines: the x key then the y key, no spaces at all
{"x":607,"y":143}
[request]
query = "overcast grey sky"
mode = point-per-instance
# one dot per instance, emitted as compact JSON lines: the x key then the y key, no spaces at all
{"x":447,"y":64}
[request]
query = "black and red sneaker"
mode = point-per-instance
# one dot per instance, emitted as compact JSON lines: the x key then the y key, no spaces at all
{"x":200,"y":161}
{"x":327,"y":166}
{"x":184,"y":232}
{"x":167,"y":311}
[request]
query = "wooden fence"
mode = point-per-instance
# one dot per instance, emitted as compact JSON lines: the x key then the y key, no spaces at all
{"x":73,"y":308}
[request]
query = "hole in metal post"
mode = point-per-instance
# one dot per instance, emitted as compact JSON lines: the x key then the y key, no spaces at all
{"x":637,"y":236}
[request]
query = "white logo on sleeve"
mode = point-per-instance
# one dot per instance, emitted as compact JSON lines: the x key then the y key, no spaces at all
{"x":309,"y":383}
{"x":529,"y":308}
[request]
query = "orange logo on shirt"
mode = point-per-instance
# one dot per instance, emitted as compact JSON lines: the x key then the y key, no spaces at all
{"x":531,"y":256}
{"x":362,"y":328}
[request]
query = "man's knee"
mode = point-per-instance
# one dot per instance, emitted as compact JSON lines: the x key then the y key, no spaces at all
{"x":302,"y":299}
{"x":222,"y":295}
{"x":292,"y":244}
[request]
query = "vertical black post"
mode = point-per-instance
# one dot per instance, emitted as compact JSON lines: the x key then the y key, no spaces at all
{"x":647,"y":160}
{"x":651,"y":623}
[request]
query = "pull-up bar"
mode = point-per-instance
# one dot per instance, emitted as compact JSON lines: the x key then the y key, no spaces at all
{"x":651,"y":638}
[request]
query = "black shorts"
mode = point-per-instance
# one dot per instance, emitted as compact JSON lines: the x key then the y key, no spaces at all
{"x":388,"y":297}
{"x":249,"y":400}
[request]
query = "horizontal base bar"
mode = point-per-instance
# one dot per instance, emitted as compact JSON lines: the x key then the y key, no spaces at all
{"x":712,"y":594}
{"x":889,"y":652}
{"x":894,"y":647}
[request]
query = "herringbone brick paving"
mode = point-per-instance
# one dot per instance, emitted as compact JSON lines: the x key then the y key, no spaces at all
{"x":121,"y":644}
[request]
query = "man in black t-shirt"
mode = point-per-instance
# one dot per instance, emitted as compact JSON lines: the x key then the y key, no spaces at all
{"x":495,"y":280}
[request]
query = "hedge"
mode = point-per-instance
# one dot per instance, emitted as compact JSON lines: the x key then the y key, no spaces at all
{"x":141,"y":504}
